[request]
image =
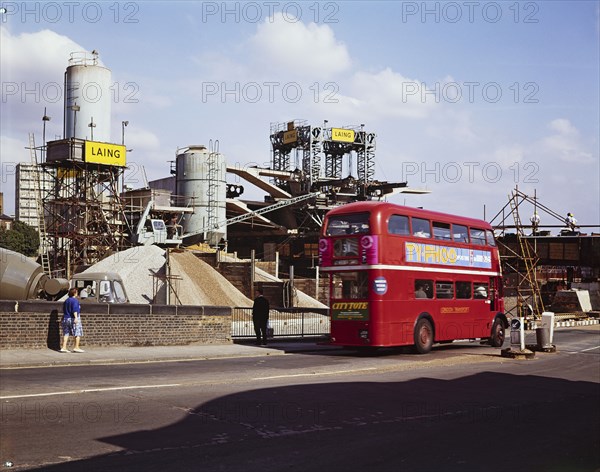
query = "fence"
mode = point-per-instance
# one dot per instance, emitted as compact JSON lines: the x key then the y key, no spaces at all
{"x":286,"y":322}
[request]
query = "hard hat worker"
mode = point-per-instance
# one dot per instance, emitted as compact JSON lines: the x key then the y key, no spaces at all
{"x":570,"y":221}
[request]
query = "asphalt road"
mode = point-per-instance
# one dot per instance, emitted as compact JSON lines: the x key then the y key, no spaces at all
{"x":461,"y":407}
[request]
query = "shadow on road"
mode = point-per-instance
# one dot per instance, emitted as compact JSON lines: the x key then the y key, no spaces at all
{"x":489,"y":421}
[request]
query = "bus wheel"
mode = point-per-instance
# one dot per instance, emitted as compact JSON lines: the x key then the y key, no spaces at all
{"x":423,"y":336}
{"x":498,"y":333}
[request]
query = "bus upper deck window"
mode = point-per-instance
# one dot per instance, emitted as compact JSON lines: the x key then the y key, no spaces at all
{"x":460,"y":233}
{"x":441,"y":231}
{"x":421,"y":228}
{"x":477,"y":236}
{"x":490,"y":238}
{"x":356,"y":223}
{"x":398,"y":225}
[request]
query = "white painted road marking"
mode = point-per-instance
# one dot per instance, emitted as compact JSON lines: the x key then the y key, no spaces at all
{"x":87,"y":390}
{"x":312,"y":374}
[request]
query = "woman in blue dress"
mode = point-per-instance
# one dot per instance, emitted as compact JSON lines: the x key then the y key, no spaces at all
{"x":71,"y":321}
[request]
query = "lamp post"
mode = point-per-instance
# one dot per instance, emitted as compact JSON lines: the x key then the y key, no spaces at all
{"x":45,"y":118}
{"x":92,"y":125}
{"x":123,"y":125}
{"x":75,"y":109}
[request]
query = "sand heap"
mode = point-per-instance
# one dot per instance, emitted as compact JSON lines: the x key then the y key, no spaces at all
{"x":200,"y":284}
{"x":197,"y":282}
{"x":135,"y":266}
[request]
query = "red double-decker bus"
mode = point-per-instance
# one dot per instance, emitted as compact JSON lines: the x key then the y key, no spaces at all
{"x":406,"y":276}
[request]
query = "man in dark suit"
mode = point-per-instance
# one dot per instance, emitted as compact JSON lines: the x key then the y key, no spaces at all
{"x":260,"y":317}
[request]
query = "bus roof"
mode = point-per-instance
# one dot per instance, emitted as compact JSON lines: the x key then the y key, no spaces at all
{"x":386,"y":208}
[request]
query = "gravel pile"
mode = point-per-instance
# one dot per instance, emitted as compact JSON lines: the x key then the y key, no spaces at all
{"x":200,"y":284}
{"x":135,"y":266}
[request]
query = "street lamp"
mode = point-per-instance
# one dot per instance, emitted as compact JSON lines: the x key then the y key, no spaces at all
{"x":44,"y":119}
{"x":75,"y":109}
{"x":123,"y":124}
{"x":92,"y":125}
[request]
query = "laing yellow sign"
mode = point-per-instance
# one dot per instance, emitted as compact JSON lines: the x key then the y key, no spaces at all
{"x":344,"y":135}
{"x":290,"y":136}
{"x":104,"y":153}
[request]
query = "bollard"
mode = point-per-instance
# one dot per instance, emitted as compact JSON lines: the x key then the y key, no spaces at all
{"x":548,"y":322}
{"x":543,"y":338}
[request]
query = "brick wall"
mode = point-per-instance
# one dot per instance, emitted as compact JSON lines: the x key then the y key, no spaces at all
{"x":36,"y":324}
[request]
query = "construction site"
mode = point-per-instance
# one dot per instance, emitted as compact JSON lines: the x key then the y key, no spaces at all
{"x":190,"y":238}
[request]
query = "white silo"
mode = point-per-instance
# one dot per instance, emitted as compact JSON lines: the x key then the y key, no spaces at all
{"x":200,"y":181}
{"x":87,"y":98}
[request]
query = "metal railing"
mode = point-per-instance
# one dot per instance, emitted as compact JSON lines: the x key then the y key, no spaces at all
{"x":286,"y":322}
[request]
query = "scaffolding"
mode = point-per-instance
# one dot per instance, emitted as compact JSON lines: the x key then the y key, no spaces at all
{"x":39,"y":207}
{"x":522,"y":262}
{"x":85,"y":217}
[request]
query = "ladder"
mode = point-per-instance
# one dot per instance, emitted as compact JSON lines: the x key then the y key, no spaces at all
{"x":527,"y":284}
{"x":39,"y":207}
{"x":213,"y":185}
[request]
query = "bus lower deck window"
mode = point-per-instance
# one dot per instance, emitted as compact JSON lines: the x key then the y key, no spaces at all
{"x":463,"y":290}
{"x":423,"y":288}
{"x":481,"y":290}
{"x":444,"y":290}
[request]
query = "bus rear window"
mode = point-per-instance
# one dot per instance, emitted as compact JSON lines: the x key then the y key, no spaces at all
{"x":357,"y":223}
{"x":351,"y":285}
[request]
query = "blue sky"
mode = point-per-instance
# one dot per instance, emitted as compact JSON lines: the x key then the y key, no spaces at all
{"x":468,"y":99}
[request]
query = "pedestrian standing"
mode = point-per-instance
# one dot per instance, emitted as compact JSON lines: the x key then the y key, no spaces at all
{"x":260,"y":317}
{"x":71,"y":321}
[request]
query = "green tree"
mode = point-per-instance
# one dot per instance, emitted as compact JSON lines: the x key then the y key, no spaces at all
{"x":22,"y":238}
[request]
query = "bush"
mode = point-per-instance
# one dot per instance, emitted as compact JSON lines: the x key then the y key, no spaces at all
{"x":22,"y":238}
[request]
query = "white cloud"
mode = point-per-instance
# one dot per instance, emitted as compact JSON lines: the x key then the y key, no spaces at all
{"x":32,"y":67}
{"x":38,"y":56}
{"x":286,"y":46}
{"x":565,"y":143}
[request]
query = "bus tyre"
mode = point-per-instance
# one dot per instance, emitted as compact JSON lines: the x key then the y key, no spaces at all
{"x":498,"y":333}
{"x":423,"y":336}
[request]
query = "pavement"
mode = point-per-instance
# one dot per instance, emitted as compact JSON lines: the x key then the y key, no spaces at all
{"x":27,"y":358}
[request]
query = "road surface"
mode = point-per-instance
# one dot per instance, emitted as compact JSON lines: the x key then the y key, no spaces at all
{"x":461,"y":407}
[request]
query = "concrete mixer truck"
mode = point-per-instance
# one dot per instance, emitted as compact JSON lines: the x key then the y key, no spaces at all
{"x":23,"y":279}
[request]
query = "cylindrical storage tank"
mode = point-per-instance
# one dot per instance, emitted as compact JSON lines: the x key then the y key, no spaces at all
{"x":87,"y":98}
{"x":200,"y":182}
